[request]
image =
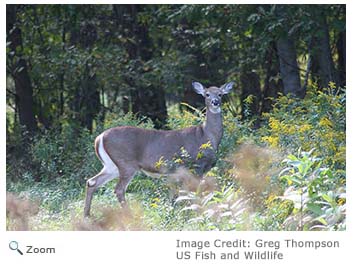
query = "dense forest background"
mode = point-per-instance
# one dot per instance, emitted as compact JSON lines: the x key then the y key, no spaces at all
{"x":73,"y":70}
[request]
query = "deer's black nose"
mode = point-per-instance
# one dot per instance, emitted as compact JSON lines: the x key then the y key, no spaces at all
{"x":215,"y":102}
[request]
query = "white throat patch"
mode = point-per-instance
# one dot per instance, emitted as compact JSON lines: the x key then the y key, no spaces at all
{"x":215,"y":111}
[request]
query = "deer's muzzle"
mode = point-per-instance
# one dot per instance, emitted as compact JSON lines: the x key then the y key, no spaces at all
{"x":215,"y":102}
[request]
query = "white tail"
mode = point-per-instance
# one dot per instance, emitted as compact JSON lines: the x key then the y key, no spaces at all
{"x":126,"y":150}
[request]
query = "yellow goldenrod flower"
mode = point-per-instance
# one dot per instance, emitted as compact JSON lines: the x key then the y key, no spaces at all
{"x":305,"y":127}
{"x":206,"y":146}
{"x":325,"y":122}
{"x":160,"y":163}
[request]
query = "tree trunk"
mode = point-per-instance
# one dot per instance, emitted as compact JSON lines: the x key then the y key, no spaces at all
{"x":19,"y":72}
{"x":61,"y":99}
{"x":146,"y":99}
{"x":89,"y":99}
{"x":272,"y":85}
{"x":289,"y":67}
{"x":323,"y":67}
{"x":341,"y":49}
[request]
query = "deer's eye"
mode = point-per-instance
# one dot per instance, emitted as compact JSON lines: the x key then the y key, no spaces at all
{"x":208,"y":95}
{"x":219,"y":95}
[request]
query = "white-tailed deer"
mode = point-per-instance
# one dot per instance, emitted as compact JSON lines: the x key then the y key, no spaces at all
{"x":125,"y":150}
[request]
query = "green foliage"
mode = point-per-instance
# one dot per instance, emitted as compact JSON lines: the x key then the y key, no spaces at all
{"x":318,"y":195}
{"x":63,"y":155}
{"x":210,"y":43}
{"x":317,"y":122}
{"x":181,"y":119}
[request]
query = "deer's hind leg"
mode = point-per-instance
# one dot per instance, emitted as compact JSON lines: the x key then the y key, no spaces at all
{"x":127,"y":173}
{"x":92,"y":185}
{"x":110,"y":171}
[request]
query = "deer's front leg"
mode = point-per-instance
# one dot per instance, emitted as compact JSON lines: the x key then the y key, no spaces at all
{"x":206,"y":162}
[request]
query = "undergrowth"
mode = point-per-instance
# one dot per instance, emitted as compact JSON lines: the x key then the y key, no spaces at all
{"x":287,"y":175}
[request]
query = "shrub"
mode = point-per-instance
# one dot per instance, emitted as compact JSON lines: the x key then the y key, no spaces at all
{"x":317,"y":122}
{"x":318,"y":195}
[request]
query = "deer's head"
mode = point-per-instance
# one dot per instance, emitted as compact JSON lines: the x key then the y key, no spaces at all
{"x":213,"y":95}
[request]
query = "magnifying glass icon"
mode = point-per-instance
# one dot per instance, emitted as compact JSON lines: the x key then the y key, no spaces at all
{"x":13,"y":245}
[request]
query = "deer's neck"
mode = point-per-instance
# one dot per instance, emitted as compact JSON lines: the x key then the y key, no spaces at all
{"x":213,"y":128}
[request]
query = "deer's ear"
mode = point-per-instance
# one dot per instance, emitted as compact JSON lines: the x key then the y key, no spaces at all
{"x":198,"y":87}
{"x":226,"y":88}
